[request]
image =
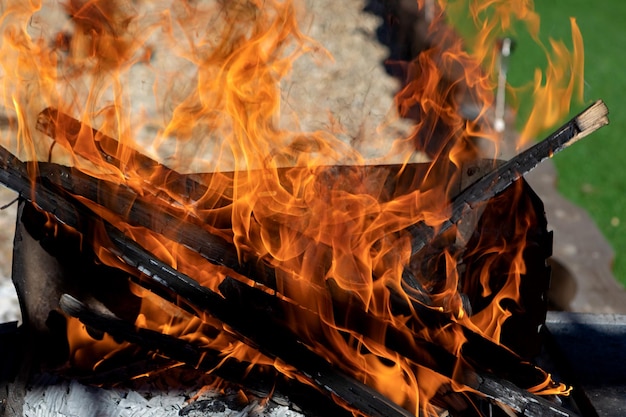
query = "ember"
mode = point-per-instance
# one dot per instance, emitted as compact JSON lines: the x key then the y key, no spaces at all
{"x":210,"y":229}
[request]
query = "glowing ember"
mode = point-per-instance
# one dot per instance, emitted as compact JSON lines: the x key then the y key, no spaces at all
{"x":212,"y":76}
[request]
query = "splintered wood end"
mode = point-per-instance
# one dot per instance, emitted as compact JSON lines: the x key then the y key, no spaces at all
{"x":592,"y":119}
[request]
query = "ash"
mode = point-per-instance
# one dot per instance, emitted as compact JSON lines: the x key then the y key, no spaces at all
{"x":51,"y":396}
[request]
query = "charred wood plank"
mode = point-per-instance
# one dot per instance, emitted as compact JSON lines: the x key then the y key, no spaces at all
{"x":218,"y":251}
{"x":203,"y":359}
{"x":173,"y":348}
{"x":275,"y":342}
{"x":194,"y":188}
{"x":521,"y":402}
{"x":320,"y":373}
{"x":73,"y":214}
{"x":254,"y":312}
{"x":147,"y":211}
{"x":500,"y":392}
{"x":500,"y":360}
{"x":259,"y":315}
{"x":58,"y":125}
{"x":491,"y":184}
{"x":68,"y":132}
{"x":66,"y":129}
{"x":266,"y":308}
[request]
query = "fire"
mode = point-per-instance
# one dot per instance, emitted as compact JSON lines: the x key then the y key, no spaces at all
{"x":199,"y":87}
{"x":553,"y":88}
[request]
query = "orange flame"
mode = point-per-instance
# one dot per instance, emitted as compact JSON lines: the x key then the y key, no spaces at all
{"x":197,"y":85}
{"x":554,"y":87}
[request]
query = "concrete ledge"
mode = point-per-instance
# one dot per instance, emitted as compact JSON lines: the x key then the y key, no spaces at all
{"x":589,"y":349}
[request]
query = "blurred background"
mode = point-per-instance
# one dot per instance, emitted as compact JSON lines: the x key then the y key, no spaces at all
{"x":592,"y":174}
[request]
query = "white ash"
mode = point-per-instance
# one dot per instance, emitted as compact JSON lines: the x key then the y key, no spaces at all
{"x":50,"y":396}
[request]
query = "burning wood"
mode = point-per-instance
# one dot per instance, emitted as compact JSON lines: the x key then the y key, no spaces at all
{"x":295,"y":252}
{"x":494,"y":182}
{"x":56,"y":192}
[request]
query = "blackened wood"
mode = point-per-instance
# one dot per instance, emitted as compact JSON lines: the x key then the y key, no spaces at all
{"x":520,"y":331}
{"x":13,"y":369}
{"x":215,"y":305}
{"x":321,"y":374}
{"x":383,"y":182}
{"x":258,"y":315}
{"x":10,"y":336}
{"x":504,"y":175}
{"x":59,"y":125}
{"x":220,"y":252}
{"x":499,"y":360}
{"x":175,"y":224}
{"x":249,"y":376}
{"x":266,"y":308}
{"x":171,"y":347}
{"x":502,"y":393}
{"x":522,"y":402}
{"x":389,"y":181}
{"x":275,"y":342}
{"x":68,"y":131}
{"x":149,"y":211}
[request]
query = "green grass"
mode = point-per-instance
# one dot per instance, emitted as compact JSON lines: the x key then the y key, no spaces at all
{"x":592,"y":173}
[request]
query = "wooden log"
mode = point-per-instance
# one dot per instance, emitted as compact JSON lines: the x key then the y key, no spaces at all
{"x":148,"y":211}
{"x":256,"y":313}
{"x":253,"y":302}
{"x":500,"y":360}
{"x":383,"y":180}
{"x":218,"y":251}
{"x":520,"y":402}
{"x":242,"y":374}
{"x":275,"y":342}
{"x":152,"y":263}
{"x":79,"y":216}
{"x":321,"y":374}
{"x":502,"y":393}
{"x":66,"y":129}
{"x":491,"y":184}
